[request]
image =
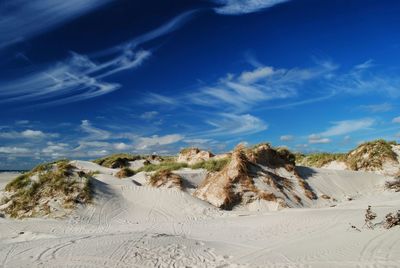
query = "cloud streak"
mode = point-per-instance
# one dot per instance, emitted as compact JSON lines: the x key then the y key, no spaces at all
{"x":21,"y":19}
{"x":233,"y":125}
{"x":82,"y":77}
{"x":264,"y":83}
{"x":239,"y":7}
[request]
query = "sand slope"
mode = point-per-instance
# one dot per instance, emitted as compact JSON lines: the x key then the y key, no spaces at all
{"x":138,"y":226}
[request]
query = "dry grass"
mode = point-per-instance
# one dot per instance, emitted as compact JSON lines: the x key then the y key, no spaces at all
{"x":54,"y":180}
{"x":267,"y":196}
{"x":393,"y":185}
{"x":318,"y":159}
{"x":117,"y":160}
{"x":298,"y":199}
{"x":371,"y":155}
{"x":212,"y":165}
{"x":309,"y":193}
{"x":190,"y":149}
{"x":264,"y":154}
{"x":166,"y":178}
{"x":166,"y":165}
{"x":125,"y":173}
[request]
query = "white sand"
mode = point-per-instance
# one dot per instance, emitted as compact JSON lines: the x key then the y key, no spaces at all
{"x":138,"y":226}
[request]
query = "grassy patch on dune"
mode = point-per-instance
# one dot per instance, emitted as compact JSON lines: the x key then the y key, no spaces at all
{"x":166,"y":178}
{"x":318,"y":159}
{"x":125,"y":172}
{"x":371,"y":155}
{"x":212,"y":165}
{"x":165,"y":165}
{"x":52,"y":180}
{"x":117,"y":160}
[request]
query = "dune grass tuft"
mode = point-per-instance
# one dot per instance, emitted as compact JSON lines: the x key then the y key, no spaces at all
{"x":166,"y":165}
{"x":318,"y":159}
{"x":371,"y":155}
{"x":117,"y":160}
{"x":212,"y":165}
{"x":53,"y":180}
{"x":125,"y":172}
{"x":166,"y":178}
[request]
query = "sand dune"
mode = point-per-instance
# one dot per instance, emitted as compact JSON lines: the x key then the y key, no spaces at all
{"x":139,"y":226}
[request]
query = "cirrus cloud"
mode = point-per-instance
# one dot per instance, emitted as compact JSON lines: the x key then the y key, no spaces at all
{"x":239,"y":7}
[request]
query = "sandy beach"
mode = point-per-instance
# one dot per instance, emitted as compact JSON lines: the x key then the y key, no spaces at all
{"x":139,"y":226}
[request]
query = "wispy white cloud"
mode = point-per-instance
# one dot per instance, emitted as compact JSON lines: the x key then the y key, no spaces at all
{"x":348,"y":126}
{"x":363,"y":79}
{"x":13,"y":150}
{"x":263,"y":83}
{"x":396,"y":120}
{"x":22,"y":19}
{"x":22,"y":122}
{"x":55,"y":150}
{"x":146,"y":143}
{"x":94,"y":133}
{"x":232,"y":125}
{"x":317,"y":139}
{"x":286,"y":138}
{"x":149,"y":115}
{"x":377,"y":108}
{"x":158,"y":99}
{"x":28,"y":134}
{"x":238,"y":7}
{"x":76,"y":79}
{"x":83,"y":77}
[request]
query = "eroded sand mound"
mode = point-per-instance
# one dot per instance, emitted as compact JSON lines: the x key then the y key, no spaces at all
{"x":166,"y":179}
{"x":259,"y":174}
{"x":377,"y":156}
{"x":52,"y":189}
{"x":193,"y":155}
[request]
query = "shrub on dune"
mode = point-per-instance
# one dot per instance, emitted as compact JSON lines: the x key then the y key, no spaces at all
{"x":165,"y":178}
{"x":117,"y":160}
{"x":212,"y":165}
{"x":31,"y":193}
{"x":167,"y":165}
{"x":318,"y":159}
{"x":371,"y":155}
{"x":124,"y":173}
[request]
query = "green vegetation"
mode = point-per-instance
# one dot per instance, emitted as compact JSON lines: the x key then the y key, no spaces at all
{"x":117,"y":160}
{"x":212,"y":165}
{"x":367,"y":156}
{"x":186,"y":150}
{"x":286,"y":155}
{"x":54,"y":180}
{"x":125,"y":172}
{"x":21,"y":181}
{"x":371,"y":155}
{"x":318,"y":159}
{"x":165,"y":178}
{"x":165,"y":165}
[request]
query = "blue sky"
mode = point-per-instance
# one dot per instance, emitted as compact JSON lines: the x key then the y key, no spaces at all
{"x":85,"y":78}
